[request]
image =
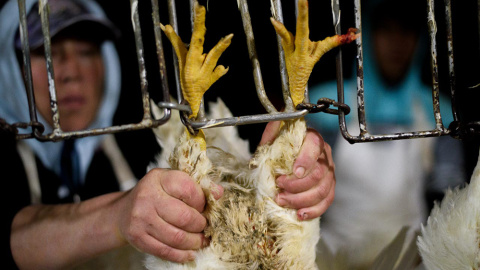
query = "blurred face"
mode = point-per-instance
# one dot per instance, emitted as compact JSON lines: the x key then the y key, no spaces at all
{"x":79,"y":75}
{"x":394,"y":48}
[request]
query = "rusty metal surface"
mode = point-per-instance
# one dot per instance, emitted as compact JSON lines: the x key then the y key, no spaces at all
{"x":457,"y":129}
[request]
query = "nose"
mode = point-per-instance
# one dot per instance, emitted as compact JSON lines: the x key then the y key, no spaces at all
{"x":67,"y":68}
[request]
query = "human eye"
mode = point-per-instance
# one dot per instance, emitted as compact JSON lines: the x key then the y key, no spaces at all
{"x":88,"y":52}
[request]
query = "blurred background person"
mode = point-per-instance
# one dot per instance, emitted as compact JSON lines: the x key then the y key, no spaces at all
{"x":384,"y":186}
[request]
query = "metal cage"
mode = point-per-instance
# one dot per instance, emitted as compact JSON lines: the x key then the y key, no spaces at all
{"x":457,"y":129}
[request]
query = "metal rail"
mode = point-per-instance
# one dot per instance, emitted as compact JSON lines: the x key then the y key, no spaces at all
{"x":457,"y":129}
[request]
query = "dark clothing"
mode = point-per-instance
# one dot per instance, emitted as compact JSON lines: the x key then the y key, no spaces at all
{"x":100,"y":179}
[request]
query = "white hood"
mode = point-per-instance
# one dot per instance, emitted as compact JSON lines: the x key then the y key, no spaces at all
{"x":13,"y":98}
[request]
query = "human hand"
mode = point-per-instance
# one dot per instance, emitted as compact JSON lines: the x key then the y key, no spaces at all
{"x":163,"y":215}
{"x":311,"y":188}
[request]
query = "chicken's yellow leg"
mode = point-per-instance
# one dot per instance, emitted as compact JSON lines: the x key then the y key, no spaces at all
{"x":301,"y":54}
{"x":198,"y":71}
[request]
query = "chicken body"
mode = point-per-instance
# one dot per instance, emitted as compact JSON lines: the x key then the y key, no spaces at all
{"x":247,"y":229}
{"x":451,"y":238}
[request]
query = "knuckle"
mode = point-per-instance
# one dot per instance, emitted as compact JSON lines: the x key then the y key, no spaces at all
{"x":316,"y":138}
{"x":322,"y":192}
{"x":317,"y":174}
{"x":179,"y":237}
{"x":165,"y":252}
{"x":132,"y":235}
{"x":188,"y":190}
{"x":328,"y":149}
{"x":185,"y":218}
{"x":329,"y":200}
{"x":156,"y":172}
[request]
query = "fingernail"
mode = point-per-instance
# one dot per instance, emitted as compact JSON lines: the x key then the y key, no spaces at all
{"x":206,"y":242}
{"x":216,"y":191}
{"x":191,"y":256}
{"x":279,"y":200}
{"x":279,"y":184}
{"x":302,"y":216}
{"x":299,"y":172}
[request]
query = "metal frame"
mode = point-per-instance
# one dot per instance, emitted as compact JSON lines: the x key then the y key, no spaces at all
{"x":457,"y":129}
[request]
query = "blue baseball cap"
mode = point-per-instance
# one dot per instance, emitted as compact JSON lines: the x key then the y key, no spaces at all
{"x":71,"y":15}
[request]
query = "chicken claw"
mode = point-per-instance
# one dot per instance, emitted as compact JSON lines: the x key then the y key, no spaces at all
{"x":301,"y":54}
{"x":198,"y":71}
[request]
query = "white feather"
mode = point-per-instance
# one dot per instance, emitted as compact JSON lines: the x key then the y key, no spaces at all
{"x":248,"y":230}
{"x":451,"y":238}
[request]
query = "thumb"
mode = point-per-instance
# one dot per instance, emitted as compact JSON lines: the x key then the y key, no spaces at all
{"x":270,"y":132}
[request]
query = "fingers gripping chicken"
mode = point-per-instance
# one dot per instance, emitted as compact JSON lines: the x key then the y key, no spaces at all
{"x":248,"y":230}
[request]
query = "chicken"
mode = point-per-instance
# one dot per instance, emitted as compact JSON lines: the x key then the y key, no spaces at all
{"x":451,"y":238}
{"x":247,"y":229}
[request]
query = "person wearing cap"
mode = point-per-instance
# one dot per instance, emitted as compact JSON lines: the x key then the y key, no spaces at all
{"x":384,"y":186}
{"x":74,"y":200}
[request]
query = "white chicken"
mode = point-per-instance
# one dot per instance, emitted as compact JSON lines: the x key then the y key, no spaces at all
{"x":247,"y":229}
{"x":451,"y":238}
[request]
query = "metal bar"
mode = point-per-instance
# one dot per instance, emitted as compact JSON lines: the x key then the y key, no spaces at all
{"x":364,"y":136}
{"x":342,"y":123}
{"x":432,"y":25}
{"x":192,"y":11}
{"x":145,"y":123}
{"x":44,"y":14}
{"x":244,"y":120}
{"x":278,"y":15}
{"x":172,"y":13}
{"x":257,"y":74}
{"x":161,"y":57}
{"x":273,"y":115}
{"x":398,"y":136}
{"x":451,"y":66}
{"x":360,"y":85}
{"x":27,"y":68}
{"x":140,"y":58}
